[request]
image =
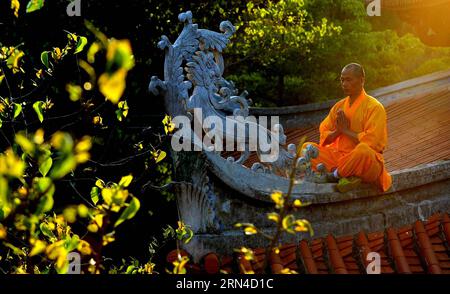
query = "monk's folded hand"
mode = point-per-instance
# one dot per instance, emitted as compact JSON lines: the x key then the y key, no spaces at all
{"x":342,"y":123}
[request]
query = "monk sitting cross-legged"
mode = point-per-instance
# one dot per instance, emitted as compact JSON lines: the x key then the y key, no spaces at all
{"x":353,"y":136}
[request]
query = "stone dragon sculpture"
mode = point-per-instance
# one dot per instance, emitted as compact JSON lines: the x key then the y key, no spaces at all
{"x":193,"y":69}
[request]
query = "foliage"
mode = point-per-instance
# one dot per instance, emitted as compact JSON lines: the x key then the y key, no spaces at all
{"x":44,"y":212}
{"x":311,"y":72}
{"x":284,"y":219}
{"x":275,"y":33}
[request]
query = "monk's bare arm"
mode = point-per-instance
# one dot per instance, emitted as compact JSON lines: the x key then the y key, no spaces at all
{"x":331,"y":137}
{"x":352,"y":135}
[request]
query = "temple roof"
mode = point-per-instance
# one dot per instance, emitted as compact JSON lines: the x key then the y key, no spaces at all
{"x":422,"y":247}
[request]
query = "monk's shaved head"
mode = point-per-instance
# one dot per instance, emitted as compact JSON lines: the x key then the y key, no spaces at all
{"x":356,"y":68}
{"x":352,"y":79}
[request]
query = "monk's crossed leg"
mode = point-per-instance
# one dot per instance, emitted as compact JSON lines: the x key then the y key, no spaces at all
{"x":361,"y":162}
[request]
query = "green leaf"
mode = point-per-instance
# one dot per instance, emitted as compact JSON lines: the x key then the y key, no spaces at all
{"x":189,"y":237}
{"x":119,"y":114}
{"x":34,"y":5}
{"x":74,"y":91}
{"x":46,"y":231}
{"x":16,"y":250}
{"x":1,"y":123}
{"x":26,"y":145}
{"x":130,"y":269}
{"x":38,"y":106}
{"x":45,"y":166}
{"x":63,"y":167}
{"x":46,"y":187}
{"x":5,"y":206}
{"x":72,"y":243}
{"x":17,"y":109}
{"x":129,"y":212}
{"x":82,"y":41}
{"x":44,"y":58}
{"x":45,"y":203}
{"x":125,"y":181}
{"x":95,"y":192}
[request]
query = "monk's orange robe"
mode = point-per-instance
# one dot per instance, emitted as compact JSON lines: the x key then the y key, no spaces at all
{"x":367,"y":118}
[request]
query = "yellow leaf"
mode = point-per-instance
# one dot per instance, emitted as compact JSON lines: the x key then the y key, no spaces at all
{"x":62,"y":141}
{"x":250,"y":230}
{"x":277,"y":197}
{"x":83,"y":211}
{"x":82,"y":157}
{"x":93,"y":228}
{"x":108,"y":239}
{"x":273,"y":216}
{"x":125,"y":181}
{"x":56,"y":53}
{"x":88,"y":69}
{"x":70,"y":214}
{"x":38,"y":247}
{"x":247,"y":252}
{"x":297,"y":203}
{"x":107,"y":194}
{"x":179,"y":265}
{"x":99,"y":220}
{"x":15,"y":5}
{"x":74,"y":91}
{"x":39,"y":74}
{"x":303,"y":226}
{"x":93,"y":49}
{"x":288,"y":271}
{"x":97,"y":120}
{"x":169,"y":126}
{"x":287,"y":223}
{"x":26,"y":145}
{"x":99,"y":183}
{"x":119,"y":53}
{"x":113,"y":85}
{"x":61,"y":261}
{"x":84,"y":145}
{"x":158,"y":155}
{"x":84,"y":247}
{"x":38,"y":137}
{"x":2,"y":232}
{"x":11,"y":165}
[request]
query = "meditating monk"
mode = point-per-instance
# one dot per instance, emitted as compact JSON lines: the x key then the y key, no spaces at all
{"x":353,"y":136}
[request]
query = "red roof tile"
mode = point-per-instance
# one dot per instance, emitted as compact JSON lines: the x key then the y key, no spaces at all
{"x":421,"y":248}
{"x":426,"y":249}
{"x":211,"y":263}
{"x":307,"y":258}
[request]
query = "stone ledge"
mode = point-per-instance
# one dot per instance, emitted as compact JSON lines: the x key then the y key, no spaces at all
{"x":259,"y":186}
